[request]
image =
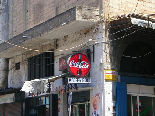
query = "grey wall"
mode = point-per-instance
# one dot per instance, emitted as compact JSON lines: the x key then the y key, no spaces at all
{"x":4,"y":27}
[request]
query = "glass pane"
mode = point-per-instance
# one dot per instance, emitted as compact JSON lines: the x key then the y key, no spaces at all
{"x":82,"y":109}
{"x":88,"y":109}
{"x":145,"y":106}
{"x":135,"y":108}
{"x":129,"y":105}
{"x":42,"y":110}
{"x":41,"y":100}
{"x":74,"y":110}
{"x":153,"y":106}
{"x":47,"y":110}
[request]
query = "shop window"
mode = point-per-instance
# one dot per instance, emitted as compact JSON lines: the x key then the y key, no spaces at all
{"x":41,"y":66}
{"x":39,"y":106}
{"x":17,"y":66}
{"x":42,"y":105}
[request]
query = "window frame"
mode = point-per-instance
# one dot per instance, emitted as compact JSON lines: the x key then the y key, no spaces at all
{"x":41,"y":66}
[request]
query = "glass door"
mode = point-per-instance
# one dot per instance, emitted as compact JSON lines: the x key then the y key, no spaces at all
{"x":146,"y":106}
{"x":139,"y":105}
{"x":80,"y":109}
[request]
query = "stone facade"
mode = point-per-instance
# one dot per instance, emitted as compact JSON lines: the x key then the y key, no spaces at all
{"x":30,"y":16}
{"x":28,"y":13}
{"x":80,"y":41}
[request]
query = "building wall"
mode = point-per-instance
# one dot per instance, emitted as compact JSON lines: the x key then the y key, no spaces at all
{"x":117,"y":7}
{"x":4,"y":27}
{"x":77,"y":41}
{"x":16,"y":78}
{"x":10,"y":109}
{"x":28,"y":13}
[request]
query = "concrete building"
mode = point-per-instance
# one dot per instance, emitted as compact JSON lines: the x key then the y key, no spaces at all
{"x":77,"y":58}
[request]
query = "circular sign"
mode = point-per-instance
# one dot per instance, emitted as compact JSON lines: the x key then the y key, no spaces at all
{"x":79,"y":65}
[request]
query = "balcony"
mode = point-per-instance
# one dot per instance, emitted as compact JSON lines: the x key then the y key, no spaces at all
{"x":59,"y":26}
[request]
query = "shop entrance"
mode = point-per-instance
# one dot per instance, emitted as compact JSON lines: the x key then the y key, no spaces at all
{"x":80,"y":109}
{"x":145,"y":106}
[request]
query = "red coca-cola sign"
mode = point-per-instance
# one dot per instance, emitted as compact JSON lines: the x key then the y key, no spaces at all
{"x":79,"y":65}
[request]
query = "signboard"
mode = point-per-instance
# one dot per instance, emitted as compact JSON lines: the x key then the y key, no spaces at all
{"x":7,"y":98}
{"x":79,"y":65}
{"x":110,"y":75}
{"x":79,"y":80}
{"x":62,"y":63}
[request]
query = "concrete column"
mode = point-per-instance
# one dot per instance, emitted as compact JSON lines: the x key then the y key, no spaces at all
{"x":108,"y":98}
{"x":4,"y":36}
{"x":3,"y":73}
{"x":64,"y":105}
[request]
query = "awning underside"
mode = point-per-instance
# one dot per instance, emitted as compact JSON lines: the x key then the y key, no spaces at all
{"x":142,"y":24}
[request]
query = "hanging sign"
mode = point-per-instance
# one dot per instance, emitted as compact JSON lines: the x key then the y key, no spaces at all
{"x":79,"y":65}
{"x":110,"y":75}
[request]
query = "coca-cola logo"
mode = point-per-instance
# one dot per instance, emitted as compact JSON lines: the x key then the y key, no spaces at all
{"x":82,"y":64}
{"x":79,"y":65}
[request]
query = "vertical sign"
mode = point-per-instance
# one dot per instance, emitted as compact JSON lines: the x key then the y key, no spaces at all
{"x":69,"y":102}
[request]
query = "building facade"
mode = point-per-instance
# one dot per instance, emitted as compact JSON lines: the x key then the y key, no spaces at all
{"x":77,"y":58}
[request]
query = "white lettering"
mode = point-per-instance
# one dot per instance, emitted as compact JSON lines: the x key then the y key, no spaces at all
{"x":82,"y":64}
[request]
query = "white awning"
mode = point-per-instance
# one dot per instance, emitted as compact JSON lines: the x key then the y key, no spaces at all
{"x":40,"y":85}
{"x":143,"y":23}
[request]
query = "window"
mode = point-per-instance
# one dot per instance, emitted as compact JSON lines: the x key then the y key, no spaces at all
{"x":3,"y":2}
{"x":41,"y":66}
{"x":17,"y":66}
{"x":46,"y":105}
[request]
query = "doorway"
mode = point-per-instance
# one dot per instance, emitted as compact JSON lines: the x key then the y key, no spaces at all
{"x":141,"y":105}
{"x":80,"y":109}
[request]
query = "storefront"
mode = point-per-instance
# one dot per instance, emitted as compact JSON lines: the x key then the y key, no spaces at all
{"x":131,"y":90}
{"x":78,"y":66}
{"x":132,"y":42}
{"x":45,"y":105}
{"x":12,"y":102}
{"x":80,"y":103}
{"x":145,"y":106}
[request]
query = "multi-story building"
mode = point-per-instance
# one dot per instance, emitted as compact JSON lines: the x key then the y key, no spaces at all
{"x":77,"y":58}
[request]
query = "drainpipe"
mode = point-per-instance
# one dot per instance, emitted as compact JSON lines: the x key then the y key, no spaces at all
{"x":55,"y":7}
{"x":24,"y":14}
{"x":100,"y":3}
{"x":10,"y":18}
{"x":100,"y":6}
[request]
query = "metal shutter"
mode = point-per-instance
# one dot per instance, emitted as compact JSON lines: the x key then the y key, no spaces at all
{"x":121,"y":99}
